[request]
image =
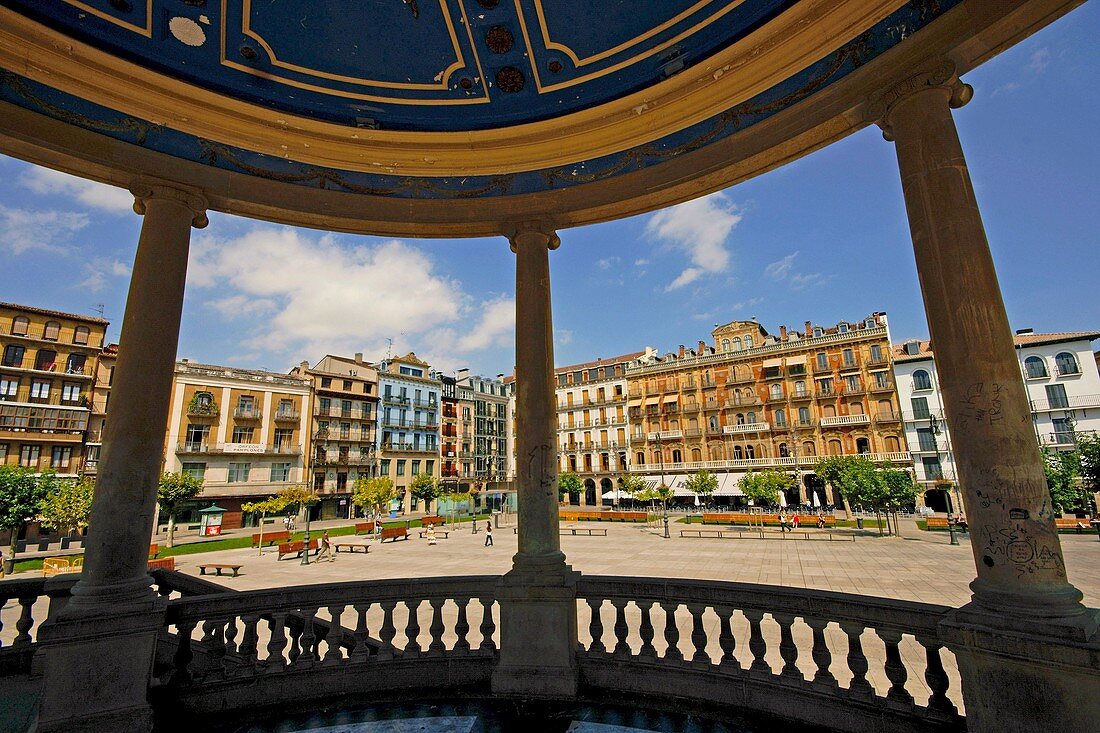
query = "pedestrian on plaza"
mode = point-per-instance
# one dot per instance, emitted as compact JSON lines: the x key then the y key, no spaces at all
{"x":783,"y":522}
{"x":488,"y":534}
{"x":431,"y":534}
{"x":821,"y":521}
{"x":794,"y":521}
{"x":326,"y":548}
{"x":289,"y":523}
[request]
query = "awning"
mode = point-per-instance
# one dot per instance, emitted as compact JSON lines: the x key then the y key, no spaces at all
{"x":652,"y":400}
{"x":671,"y":398}
{"x":795,"y":360}
{"x":616,"y":495}
{"x":769,"y":363}
{"x":634,"y":403}
{"x":727,"y":484}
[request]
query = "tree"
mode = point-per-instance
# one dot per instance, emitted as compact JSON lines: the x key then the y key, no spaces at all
{"x":830,"y":469}
{"x":569,"y":483}
{"x":425,"y":488}
{"x":704,"y":484}
{"x":373,"y":493}
{"x":21,"y":495}
{"x":298,"y":497}
{"x":901,"y":492}
{"x":632,"y":484}
{"x":270,"y":505}
{"x":173,"y":491}
{"x":68,"y":505}
{"x":1088,"y":448}
{"x":764,"y":486}
{"x":1063,"y":473}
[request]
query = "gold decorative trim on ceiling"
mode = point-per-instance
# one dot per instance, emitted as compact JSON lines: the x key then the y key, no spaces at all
{"x":799,"y":37}
{"x":146,"y":31}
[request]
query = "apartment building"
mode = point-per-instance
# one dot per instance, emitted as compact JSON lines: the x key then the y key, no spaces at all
{"x":408,"y":424}
{"x":101,"y":397}
{"x":1063,"y":385}
{"x":342,"y":429}
{"x":751,"y":400}
{"x":487,"y":401}
{"x":47,"y":370}
{"x":592,"y":423}
{"x":242,"y":431}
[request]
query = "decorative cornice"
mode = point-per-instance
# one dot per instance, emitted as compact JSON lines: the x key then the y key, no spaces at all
{"x":537,"y":232}
{"x":942,"y":75}
{"x":143,"y":191}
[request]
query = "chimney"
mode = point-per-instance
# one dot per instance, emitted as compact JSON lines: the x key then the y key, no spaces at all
{"x":702,"y":347}
{"x":187,"y":360}
{"x":358,"y":357}
{"x":782,"y":334}
{"x":1022,"y":331}
{"x":681,"y":351}
{"x":809,"y":329}
{"x":462,"y":374}
{"x":304,"y":365}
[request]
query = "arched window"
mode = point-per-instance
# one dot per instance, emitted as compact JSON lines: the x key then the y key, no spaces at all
{"x":751,"y":417}
{"x":863,"y":446}
{"x":921,"y":380}
{"x":713,"y":422}
{"x":809,"y":449}
{"x":20,"y":325}
{"x":716,"y":453}
{"x":835,"y":448}
{"x":53,"y":330}
{"x":640,"y":459}
{"x":828,"y":411}
{"x":780,"y":418}
{"x":1035,"y":367}
{"x":736,"y":344}
{"x":748,"y":342}
{"x":784,"y":452}
{"x":892,"y":445}
{"x":696,"y":454}
{"x":762,"y":451}
{"x":740,"y":418}
{"x":1067,"y":363}
{"x":855,"y":408}
{"x":80,"y":335}
{"x":677,"y":457}
{"x":738,"y":454}
{"x":749,"y":452}
{"x":725,"y":344}
{"x":776,"y":390}
{"x":800,"y":388}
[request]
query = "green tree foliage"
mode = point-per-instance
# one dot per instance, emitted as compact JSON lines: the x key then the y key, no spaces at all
{"x":21,"y":495}
{"x":173,"y":491}
{"x":270,"y":505}
{"x":569,"y":483}
{"x":764,"y":486}
{"x":1063,"y":473}
{"x":298,"y":497}
{"x":425,"y":488}
{"x":901,"y":489}
{"x":373,"y":493}
{"x":1088,"y":448}
{"x":703,"y":483}
{"x":68,"y":506}
{"x":632,"y":484}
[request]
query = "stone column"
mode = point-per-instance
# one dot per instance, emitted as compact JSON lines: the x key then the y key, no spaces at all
{"x":538,"y":596}
{"x":1025,"y":618}
{"x":114,"y":613}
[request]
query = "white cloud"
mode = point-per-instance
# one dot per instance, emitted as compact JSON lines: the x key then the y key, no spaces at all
{"x":241,"y":306}
{"x":1039,"y":60}
{"x":607,"y":263}
{"x":563,"y":336}
{"x":783,"y":270}
{"x":741,"y":305}
{"x":90,"y":193}
{"x":641,"y":262}
{"x":780,"y":268}
{"x":699,"y":229}
{"x":48,"y":230}
{"x":495,"y":327}
{"x":100,"y":270}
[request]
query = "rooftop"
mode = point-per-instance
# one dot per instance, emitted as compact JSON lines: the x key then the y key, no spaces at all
{"x":56,"y":314}
{"x":1020,"y":340}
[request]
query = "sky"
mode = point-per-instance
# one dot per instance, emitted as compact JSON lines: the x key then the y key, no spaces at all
{"x":823,"y":239}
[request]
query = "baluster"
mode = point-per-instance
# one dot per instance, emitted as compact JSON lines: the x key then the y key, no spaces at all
{"x":726,"y":639}
{"x":335,"y":637}
{"x":787,"y":648}
{"x":308,"y":641}
{"x":757,"y":645}
{"x":213,"y":637}
{"x":698,"y":635}
{"x":895,"y":667}
{"x":436,"y":629}
{"x":646,"y":630}
{"x":857,"y":661}
{"x":231,"y":635}
{"x":25,"y":622}
{"x":672,"y":633}
{"x":412,"y":628}
{"x":360,"y":651}
{"x":249,"y":640}
{"x":821,"y":655}
{"x":388,"y":631}
{"x":181,"y":660}
{"x":595,"y":626}
{"x":936,"y":677}
{"x":295,"y":650}
{"x":622,"y":649}
{"x":277,"y":643}
{"x":488,"y":626}
{"x":462,"y":626}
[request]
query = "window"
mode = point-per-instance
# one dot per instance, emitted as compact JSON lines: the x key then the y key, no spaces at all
{"x":921,"y":380}
{"x":876,"y":351}
{"x":822,"y":361}
{"x":849,"y":357}
{"x":70,"y":392}
{"x":52,"y":331}
{"x":416,"y":468}
{"x":1066,"y":363}
{"x":280,"y":471}
{"x":80,"y":335}
{"x":800,"y":388}
{"x":326,"y":382}
{"x":284,"y":437}
{"x":13,"y":355}
{"x":9,"y":387}
{"x":384,"y":467}
{"x":347,"y":385}
{"x":20,"y":325}
{"x":748,"y":342}
{"x":40,"y":389}
{"x":725,"y":344}
{"x":196,"y":436}
{"x":776,"y":391}
{"x":926,"y":439}
{"x":1056,"y":396}
{"x":825,"y":386}
{"x":194,"y":470}
{"x":242,"y":434}
{"x":1063,"y":430}
{"x":3,"y":453}
{"x":28,"y":455}
{"x":238,"y":472}
{"x":401,"y":468}
{"x":882,"y":380}
{"x":920,"y":408}
{"x":933,"y":471}
{"x":45,"y":360}
{"x":60,"y":457}
{"x":75,"y":364}
{"x":1035,"y":367}
{"x":751,"y":417}
{"x":246,"y":403}
{"x":780,"y":419}
{"x":851,"y":383}
{"x":842,"y":328}
{"x":818,"y":332}
{"x":803,"y":416}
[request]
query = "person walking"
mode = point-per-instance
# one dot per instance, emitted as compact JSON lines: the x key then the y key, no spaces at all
{"x":326,"y":548}
{"x":794,"y":521}
{"x":488,"y":534}
{"x":783,"y":522}
{"x":430,"y":534}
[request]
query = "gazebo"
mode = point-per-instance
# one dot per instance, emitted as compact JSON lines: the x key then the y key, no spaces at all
{"x":464,"y":118}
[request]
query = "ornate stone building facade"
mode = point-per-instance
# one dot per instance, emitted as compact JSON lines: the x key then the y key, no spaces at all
{"x":408,"y":424}
{"x":751,"y":400}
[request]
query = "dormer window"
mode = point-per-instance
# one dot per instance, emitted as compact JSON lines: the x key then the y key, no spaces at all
{"x":842,"y":328}
{"x":818,"y":332}
{"x":52,"y":331}
{"x":20,"y":325}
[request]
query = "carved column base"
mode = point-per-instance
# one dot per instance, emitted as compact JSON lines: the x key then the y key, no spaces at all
{"x":538,"y":631}
{"x":1021,"y":680}
{"x":96,"y":669}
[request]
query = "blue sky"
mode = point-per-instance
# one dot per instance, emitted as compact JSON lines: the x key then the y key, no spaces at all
{"x":823,"y":239}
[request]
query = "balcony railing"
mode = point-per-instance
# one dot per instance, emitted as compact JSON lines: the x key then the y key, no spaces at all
{"x":887,"y":386}
{"x":750,"y":401}
{"x":287,"y":415}
{"x":53,"y":367}
{"x":845,"y":420}
{"x":752,"y":427}
{"x":888,"y":417}
{"x":408,"y":448}
{"x":238,"y":449}
{"x":247,"y":413}
{"x":666,"y":435}
{"x":741,"y":464}
{"x":1070,"y":402}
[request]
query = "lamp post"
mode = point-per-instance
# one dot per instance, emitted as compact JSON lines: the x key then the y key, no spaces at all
{"x":661,"y":464}
{"x":305,"y":544}
{"x":934,"y":429}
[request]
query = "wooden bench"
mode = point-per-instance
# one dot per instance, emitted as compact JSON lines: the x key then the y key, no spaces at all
{"x":439,"y":533}
{"x":56,"y":565}
{"x":271,"y":538}
{"x":600,"y":516}
{"x":218,"y":567}
{"x":163,"y":563}
{"x":589,"y":531}
{"x":297,"y":547}
{"x":154,"y":549}
{"x":804,"y":520}
{"x":936,"y":523}
{"x":351,"y":547}
{"x":1068,"y":523}
{"x":394,"y":533}
{"x":364,"y":528}
{"x":431,"y":520}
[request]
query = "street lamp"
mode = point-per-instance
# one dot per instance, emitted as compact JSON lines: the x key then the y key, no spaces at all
{"x":934,"y":429}
{"x":661,"y":464}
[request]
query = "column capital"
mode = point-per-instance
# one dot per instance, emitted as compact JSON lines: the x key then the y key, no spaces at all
{"x":942,"y":76}
{"x":144,"y":191}
{"x":536,"y":232}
